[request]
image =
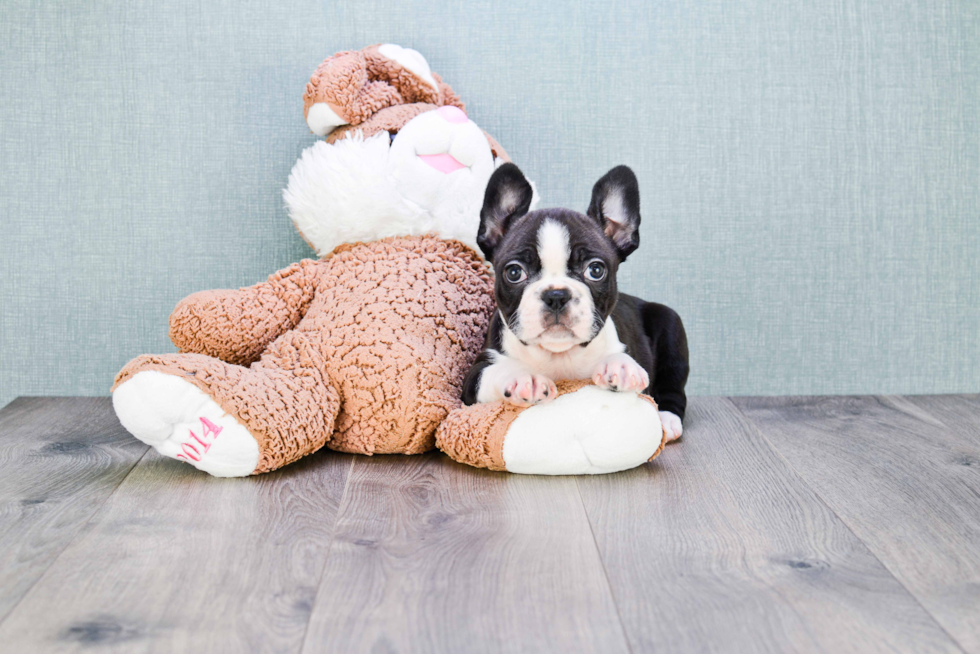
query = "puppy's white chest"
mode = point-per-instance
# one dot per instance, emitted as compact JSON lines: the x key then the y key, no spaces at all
{"x":575,"y":363}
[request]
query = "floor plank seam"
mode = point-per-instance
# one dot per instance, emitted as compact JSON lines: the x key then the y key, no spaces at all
{"x":82,"y":531}
{"x":602,"y":565}
{"x":845,"y":523}
{"x":326,"y":558}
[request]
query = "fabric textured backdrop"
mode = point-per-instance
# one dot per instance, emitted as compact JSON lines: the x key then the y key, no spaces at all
{"x":809,"y":171}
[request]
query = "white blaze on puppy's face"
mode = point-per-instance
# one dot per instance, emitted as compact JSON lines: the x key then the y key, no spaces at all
{"x":539,"y":325}
{"x":553,"y":249}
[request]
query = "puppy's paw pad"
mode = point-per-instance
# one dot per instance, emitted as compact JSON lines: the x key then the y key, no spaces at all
{"x":673,"y":428}
{"x":619,"y":372}
{"x":526,"y":389}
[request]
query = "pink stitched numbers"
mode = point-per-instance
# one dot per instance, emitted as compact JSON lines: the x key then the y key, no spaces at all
{"x":194,"y":451}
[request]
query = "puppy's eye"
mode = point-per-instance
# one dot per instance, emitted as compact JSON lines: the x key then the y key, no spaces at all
{"x":595,"y":271}
{"x":515,"y":273}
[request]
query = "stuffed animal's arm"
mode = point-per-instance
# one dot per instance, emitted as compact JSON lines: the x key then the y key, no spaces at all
{"x":237,"y":326}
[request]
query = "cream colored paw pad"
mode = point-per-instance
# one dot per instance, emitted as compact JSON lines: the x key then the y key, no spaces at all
{"x":591,"y":431}
{"x":180,"y":421}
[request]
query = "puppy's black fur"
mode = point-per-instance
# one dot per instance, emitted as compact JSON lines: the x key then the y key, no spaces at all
{"x":652,"y":333}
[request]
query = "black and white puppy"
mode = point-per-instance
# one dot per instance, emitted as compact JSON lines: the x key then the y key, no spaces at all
{"x":559,"y":314}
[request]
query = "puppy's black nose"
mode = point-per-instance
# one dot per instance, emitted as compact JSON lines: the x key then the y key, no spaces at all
{"x":556,"y":298}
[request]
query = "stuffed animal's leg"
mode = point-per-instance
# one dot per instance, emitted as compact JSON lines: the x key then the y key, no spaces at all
{"x":181,"y":421}
{"x":224,"y":419}
{"x":585,"y":430}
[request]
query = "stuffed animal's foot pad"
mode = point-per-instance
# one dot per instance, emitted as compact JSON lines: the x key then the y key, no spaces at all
{"x":180,"y":421}
{"x":673,"y":427}
{"x":590,"y":431}
{"x":619,"y":372}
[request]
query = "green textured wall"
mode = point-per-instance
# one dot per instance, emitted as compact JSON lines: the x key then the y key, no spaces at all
{"x":809,"y":171}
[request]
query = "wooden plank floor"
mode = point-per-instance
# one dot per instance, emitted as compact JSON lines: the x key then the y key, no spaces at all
{"x":829,"y":524}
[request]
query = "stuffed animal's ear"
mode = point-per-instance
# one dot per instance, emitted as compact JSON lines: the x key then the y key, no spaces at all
{"x":496,"y":150}
{"x":508,"y":197}
{"x":616,"y":205}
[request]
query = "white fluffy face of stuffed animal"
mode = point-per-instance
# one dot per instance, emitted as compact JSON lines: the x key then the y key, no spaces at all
{"x":428,"y":178}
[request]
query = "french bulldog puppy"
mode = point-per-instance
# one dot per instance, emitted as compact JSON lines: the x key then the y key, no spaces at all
{"x":559,"y":314}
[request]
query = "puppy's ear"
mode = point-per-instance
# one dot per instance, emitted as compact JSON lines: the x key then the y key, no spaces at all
{"x":508,"y":197}
{"x":616,"y":206}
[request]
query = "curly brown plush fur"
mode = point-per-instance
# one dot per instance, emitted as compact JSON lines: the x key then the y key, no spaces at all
{"x":358,"y":84}
{"x":363,"y":351}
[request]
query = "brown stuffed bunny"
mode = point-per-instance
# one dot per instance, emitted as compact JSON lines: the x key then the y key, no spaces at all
{"x":363,"y":350}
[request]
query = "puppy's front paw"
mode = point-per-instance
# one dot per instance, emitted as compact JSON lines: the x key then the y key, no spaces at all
{"x":511,"y":381}
{"x":527,"y":389}
{"x":672,"y":425}
{"x":619,"y":372}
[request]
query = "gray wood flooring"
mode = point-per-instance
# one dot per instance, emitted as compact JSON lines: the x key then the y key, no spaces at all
{"x":809,"y":524}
